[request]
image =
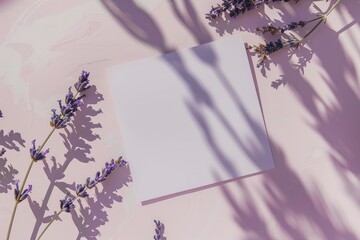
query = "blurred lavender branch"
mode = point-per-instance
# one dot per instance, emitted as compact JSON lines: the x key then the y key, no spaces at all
{"x":67,"y":203}
{"x":159,"y":230}
{"x":236,"y":7}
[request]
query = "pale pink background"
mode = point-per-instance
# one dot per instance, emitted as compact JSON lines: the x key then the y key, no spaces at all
{"x":312,"y":121}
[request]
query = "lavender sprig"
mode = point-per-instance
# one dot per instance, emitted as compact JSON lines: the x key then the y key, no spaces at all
{"x":20,"y":196}
{"x":236,"y":7}
{"x":37,"y":154}
{"x":66,"y":204}
{"x":159,"y":230}
{"x":57,"y":121}
{"x":264,"y":50}
{"x":81,"y":189}
{"x":1,"y":114}
{"x":279,"y":30}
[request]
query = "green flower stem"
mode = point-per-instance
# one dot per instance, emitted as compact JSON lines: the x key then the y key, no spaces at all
{"x":47,"y":226}
{"x":23,"y":185}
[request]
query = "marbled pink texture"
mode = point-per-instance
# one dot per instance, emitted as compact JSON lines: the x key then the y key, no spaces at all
{"x":312,"y":122}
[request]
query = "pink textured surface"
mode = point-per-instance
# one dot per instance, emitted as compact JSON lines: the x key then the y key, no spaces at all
{"x":312,"y":122}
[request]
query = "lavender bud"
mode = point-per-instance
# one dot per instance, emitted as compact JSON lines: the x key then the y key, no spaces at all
{"x":69,"y":96}
{"x":37,"y":155}
{"x":58,"y":121}
{"x":83,"y":82}
{"x":90,"y":183}
{"x":67,"y":111}
{"x":24,"y":194}
{"x":67,"y":204}
{"x":81,"y":190}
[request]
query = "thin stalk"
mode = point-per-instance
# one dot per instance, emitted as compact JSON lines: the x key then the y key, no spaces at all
{"x":56,"y":216}
{"x":312,"y":20}
{"x":333,"y":7}
{"x":313,"y":29}
{"x":47,"y":226}
{"x":23,"y":185}
{"x":322,"y":19}
{"x":11,"y":221}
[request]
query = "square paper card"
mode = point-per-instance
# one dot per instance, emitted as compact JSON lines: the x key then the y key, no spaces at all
{"x":190,"y":118}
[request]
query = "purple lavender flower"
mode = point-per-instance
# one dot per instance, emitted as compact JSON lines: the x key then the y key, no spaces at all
{"x":69,"y":96}
{"x":292,"y":41}
{"x":215,"y":12}
{"x":36,"y":154}
{"x":24,"y":194}
{"x":121,"y":162}
{"x":67,"y":204}
{"x":83,"y":82}
{"x":81,"y":190}
{"x":1,"y":114}
{"x":278,"y":30}
{"x":236,"y":7}
{"x":265,"y":50}
{"x":90,"y":183}
{"x":58,"y":121}
{"x":72,"y":104}
{"x":101,"y":176}
{"x":2,"y":151}
{"x":159,"y":230}
{"x":67,"y":111}
{"x":71,"y":101}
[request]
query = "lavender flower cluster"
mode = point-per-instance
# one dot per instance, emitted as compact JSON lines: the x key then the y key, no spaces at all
{"x":236,"y":7}
{"x":81,"y":189}
{"x":264,"y":50}
{"x":72,"y":103}
{"x":36,"y":153}
{"x":159,"y":230}
{"x":57,"y":121}
{"x":19,"y":197}
{"x":279,"y":30}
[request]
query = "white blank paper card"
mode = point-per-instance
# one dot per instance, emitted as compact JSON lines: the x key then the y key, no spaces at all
{"x":190,"y":118}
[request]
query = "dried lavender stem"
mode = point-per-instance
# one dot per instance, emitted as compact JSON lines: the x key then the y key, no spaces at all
{"x":322,"y":19}
{"x":47,"y":226}
{"x":25,"y":179}
{"x":55,"y":217}
{"x":23,"y":184}
{"x":67,"y":204}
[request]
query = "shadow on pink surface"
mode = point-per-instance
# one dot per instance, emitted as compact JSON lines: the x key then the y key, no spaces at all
{"x":285,"y":194}
{"x":9,"y":141}
{"x":77,"y":140}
